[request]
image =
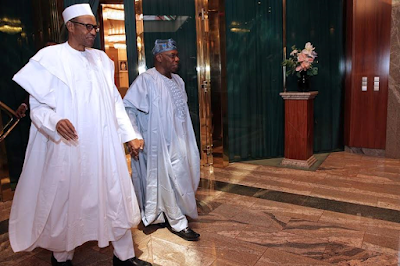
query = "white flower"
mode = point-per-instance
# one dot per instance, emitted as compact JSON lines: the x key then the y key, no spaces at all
{"x":309,"y":47}
{"x":309,"y":50}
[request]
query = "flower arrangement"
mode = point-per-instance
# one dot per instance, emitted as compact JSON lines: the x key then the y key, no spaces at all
{"x":301,"y":61}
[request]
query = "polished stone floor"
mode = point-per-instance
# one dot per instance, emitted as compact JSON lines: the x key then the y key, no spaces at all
{"x":347,"y":212}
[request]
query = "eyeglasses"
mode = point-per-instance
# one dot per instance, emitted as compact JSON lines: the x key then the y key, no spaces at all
{"x":89,"y":27}
{"x":172,"y":56}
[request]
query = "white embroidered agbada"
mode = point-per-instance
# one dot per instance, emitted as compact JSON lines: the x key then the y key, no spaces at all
{"x":167,"y":174}
{"x":71,"y":192}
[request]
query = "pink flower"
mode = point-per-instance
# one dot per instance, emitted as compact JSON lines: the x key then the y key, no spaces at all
{"x":313,"y":54}
{"x":309,"y":47}
{"x":309,"y":50}
{"x":301,"y":60}
{"x":303,"y":66}
{"x":301,"y":57}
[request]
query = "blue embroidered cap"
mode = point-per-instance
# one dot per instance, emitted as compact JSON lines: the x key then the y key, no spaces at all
{"x":163,"y":46}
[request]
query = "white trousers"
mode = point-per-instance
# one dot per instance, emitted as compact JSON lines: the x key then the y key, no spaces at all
{"x":123,"y":249}
{"x":178,"y":224}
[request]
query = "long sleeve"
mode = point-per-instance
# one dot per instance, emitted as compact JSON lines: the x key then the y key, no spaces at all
{"x":126,"y":130}
{"x":44,"y":118}
{"x":132,"y":114}
{"x":137,"y":94}
{"x":40,"y":84}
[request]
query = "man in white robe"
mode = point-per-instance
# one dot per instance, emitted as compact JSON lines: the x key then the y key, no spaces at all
{"x":75,"y":184}
{"x":166,"y":173}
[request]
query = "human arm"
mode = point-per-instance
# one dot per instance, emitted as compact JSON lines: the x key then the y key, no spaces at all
{"x":41,"y":84}
{"x":129,"y":134}
{"x":125,"y":129}
{"x":136,"y":101}
{"x":45,"y":118}
{"x":24,"y":106}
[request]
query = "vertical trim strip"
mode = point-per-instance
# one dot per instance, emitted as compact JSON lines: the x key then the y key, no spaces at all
{"x":284,"y":41}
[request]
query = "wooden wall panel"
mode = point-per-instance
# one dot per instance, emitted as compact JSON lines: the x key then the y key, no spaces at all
{"x":368,"y":52}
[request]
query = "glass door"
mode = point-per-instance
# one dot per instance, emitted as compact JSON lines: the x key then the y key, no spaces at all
{"x":211,"y":72}
{"x":195,"y":26}
{"x":204,"y":80}
{"x":174,"y":19}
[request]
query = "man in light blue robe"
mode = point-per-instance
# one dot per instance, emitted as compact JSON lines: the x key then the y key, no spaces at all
{"x":166,"y":173}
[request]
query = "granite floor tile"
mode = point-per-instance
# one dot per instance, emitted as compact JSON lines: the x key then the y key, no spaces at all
{"x":263,"y":219}
{"x":166,"y":235}
{"x":339,"y":254}
{"x":283,"y":197}
{"x":223,"y":228}
{"x":345,"y":213}
{"x":170,"y":253}
{"x":346,"y":196}
{"x":221,"y":262}
{"x":244,"y":252}
{"x":327,"y":231}
{"x":287,"y":210}
{"x":389,"y":203}
{"x":297,"y":244}
{"x":227,"y":211}
{"x":275,"y":257}
{"x":29,"y":261}
{"x":357,"y":222}
{"x":286,"y":187}
{"x":383,"y":244}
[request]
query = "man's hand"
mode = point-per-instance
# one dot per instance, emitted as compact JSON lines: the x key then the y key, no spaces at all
{"x":65,"y":128}
{"x":21,"y":111}
{"x":135,"y":146}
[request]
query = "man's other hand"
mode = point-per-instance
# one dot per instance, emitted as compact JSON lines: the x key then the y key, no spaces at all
{"x":21,"y":111}
{"x":135,"y":146}
{"x":65,"y":128}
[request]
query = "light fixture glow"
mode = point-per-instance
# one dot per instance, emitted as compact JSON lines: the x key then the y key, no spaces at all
{"x":116,"y":38}
{"x":119,"y":46}
{"x":10,"y":29}
{"x":239,"y":30}
{"x":114,"y":14}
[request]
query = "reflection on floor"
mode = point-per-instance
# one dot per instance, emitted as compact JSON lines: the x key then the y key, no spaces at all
{"x":345,"y":213}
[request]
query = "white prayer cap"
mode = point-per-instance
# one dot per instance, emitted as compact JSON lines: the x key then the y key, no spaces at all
{"x":76,"y":11}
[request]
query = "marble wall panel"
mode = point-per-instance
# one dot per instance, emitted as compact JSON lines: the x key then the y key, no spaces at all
{"x":393,"y":114}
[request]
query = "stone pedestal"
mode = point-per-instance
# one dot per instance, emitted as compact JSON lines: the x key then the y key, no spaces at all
{"x":299,"y":128}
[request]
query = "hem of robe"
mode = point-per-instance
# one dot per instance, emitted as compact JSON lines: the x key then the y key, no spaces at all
{"x":100,"y":244}
{"x":155,"y":219}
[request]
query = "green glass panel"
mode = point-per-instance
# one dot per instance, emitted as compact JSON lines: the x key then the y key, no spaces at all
{"x":255,"y":79}
{"x":175,"y":19}
{"x":323,"y":25}
{"x":130,"y":32}
{"x":17,"y":47}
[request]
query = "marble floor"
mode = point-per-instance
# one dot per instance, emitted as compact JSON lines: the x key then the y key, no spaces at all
{"x":345,"y":213}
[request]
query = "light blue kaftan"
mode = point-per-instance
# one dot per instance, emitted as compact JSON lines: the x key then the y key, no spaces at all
{"x":167,"y":174}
